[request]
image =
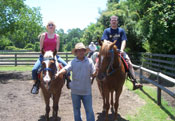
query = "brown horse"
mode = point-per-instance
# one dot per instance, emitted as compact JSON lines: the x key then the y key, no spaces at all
{"x":111,"y":75}
{"x":51,"y":86}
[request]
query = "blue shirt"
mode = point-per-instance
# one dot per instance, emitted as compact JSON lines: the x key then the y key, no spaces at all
{"x":81,"y":73}
{"x":114,"y":34}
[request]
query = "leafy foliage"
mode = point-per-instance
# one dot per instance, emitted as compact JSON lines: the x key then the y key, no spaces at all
{"x":149,"y":25}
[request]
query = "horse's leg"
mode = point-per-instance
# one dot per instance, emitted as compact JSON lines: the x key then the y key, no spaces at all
{"x":101,"y":92}
{"x":107,"y":105}
{"x":117,"y":95}
{"x":55,"y":105}
{"x":112,"y":104}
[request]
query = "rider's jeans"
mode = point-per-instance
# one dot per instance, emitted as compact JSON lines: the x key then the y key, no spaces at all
{"x":38,"y":64}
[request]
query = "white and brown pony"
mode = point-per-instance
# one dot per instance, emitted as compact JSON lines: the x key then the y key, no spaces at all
{"x":111,"y":76}
{"x":51,"y":86}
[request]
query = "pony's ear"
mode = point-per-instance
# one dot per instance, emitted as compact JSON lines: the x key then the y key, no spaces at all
{"x":55,"y":52}
{"x":42,"y":51}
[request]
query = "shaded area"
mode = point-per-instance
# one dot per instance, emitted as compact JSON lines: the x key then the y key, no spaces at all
{"x":101,"y":117}
{"x":7,"y":75}
{"x":42,"y":118}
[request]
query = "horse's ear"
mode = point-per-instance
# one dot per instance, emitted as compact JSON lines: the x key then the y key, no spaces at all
{"x":113,"y":44}
{"x":42,"y":51}
{"x":55,"y":52}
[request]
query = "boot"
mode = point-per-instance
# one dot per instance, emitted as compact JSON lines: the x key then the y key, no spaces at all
{"x":68,"y":81}
{"x":134,"y":81}
{"x":35,"y":88}
{"x":136,"y":85}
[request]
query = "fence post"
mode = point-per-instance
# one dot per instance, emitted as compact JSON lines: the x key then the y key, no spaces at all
{"x":158,"y":90}
{"x":66,"y":57}
{"x":15,"y":59}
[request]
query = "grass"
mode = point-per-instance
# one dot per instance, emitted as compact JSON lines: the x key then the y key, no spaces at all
{"x":151,"y":111}
{"x":16,"y":68}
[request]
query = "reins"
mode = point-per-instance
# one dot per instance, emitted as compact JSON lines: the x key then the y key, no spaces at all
{"x":110,"y":66}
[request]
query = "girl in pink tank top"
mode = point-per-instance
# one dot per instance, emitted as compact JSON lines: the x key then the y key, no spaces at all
{"x":48,"y":41}
{"x":50,"y":44}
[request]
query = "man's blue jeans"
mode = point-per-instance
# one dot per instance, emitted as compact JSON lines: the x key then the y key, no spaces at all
{"x":87,"y":102}
{"x":38,"y":64}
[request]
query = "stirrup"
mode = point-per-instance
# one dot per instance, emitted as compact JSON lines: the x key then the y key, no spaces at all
{"x":137,"y":86}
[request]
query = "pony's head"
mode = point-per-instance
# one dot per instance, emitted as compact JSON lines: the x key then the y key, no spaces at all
{"x":107,"y":56}
{"x":49,"y":67}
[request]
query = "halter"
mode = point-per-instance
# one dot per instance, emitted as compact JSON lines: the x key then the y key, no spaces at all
{"x":49,"y":69}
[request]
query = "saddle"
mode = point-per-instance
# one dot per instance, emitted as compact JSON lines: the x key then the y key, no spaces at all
{"x":123,"y":60}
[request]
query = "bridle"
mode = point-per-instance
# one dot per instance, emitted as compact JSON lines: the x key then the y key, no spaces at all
{"x":111,"y":66}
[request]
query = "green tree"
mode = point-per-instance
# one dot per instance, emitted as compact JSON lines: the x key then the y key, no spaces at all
{"x":19,"y":23}
{"x":9,"y":12}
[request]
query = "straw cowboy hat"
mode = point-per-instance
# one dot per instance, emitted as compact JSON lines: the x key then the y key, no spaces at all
{"x":92,"y":47}
{"x":80,"y":46}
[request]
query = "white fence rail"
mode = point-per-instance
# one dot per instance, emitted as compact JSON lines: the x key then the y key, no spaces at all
{"x":156,"y":82}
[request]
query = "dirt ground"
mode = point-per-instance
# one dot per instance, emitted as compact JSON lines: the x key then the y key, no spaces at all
{"x":18,"y":104}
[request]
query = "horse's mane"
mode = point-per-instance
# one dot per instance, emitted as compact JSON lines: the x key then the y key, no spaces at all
{"x":106,"y":47}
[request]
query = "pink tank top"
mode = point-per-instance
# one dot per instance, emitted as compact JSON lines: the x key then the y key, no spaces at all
{"x":49,"y":44}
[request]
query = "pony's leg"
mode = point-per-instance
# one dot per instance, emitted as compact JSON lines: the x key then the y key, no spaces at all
{"x":107,"y":105}
{"x":47,"y":101}
{"x":112,"y":103}
{"x":55,"y":105}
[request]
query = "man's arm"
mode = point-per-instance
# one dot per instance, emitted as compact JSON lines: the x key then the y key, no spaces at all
{"x":123,"y":45}
{"x":61,"y":72}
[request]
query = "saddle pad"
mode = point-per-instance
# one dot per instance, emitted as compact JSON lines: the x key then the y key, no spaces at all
{"x":60,"y":66}
{"x":125,"y":63}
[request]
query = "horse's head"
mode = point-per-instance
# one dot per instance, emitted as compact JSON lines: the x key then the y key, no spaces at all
{"x":49,"y":68}
{"x":107,"y":55}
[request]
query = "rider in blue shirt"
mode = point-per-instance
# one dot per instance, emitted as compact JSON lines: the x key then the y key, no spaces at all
{"x":116,"y":33}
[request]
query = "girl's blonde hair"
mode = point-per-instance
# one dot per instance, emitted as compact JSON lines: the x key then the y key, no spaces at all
{"x":51,"y":22}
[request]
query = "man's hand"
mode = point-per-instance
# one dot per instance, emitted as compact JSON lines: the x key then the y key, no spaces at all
{"x":121,"y":52}
{"x":58,"y":74}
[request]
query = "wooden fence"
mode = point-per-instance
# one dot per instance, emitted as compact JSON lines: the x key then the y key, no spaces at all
{"x":160,"y":65}
{"x":163,"y":63}
{"x":28,"y":58}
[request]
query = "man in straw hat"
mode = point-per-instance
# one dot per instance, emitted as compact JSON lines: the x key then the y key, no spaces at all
{"x":82,"y":69}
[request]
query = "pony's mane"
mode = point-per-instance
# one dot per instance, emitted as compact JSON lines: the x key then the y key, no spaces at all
{"x":48,"y":54}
